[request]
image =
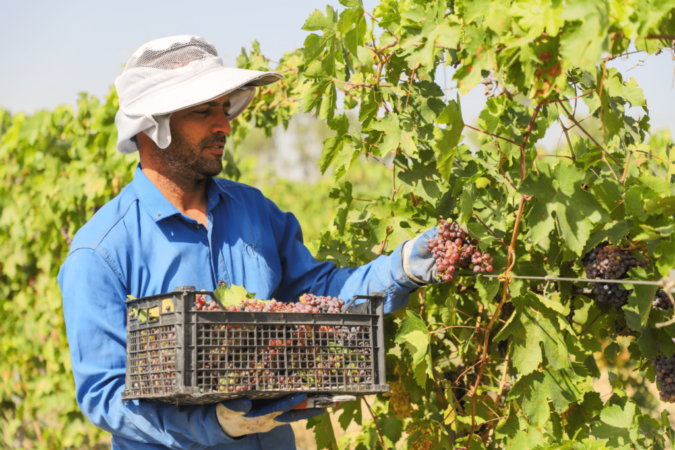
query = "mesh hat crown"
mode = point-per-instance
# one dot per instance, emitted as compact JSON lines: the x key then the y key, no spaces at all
{"x":174,"y":73}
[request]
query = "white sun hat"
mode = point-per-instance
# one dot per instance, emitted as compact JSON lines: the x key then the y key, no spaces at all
{"x":174,"y":73}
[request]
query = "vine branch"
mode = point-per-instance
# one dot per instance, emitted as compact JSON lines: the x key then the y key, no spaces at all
{"x":372,"y":414}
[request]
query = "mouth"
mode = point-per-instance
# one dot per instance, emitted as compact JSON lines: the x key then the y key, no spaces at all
{"x":217,"y":149}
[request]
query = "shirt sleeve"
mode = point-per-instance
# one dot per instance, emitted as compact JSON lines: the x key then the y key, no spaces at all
{"x":95,"y":314}
{"x":303,"y":273}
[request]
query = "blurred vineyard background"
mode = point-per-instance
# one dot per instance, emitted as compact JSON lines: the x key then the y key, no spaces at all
{"x":57,"y":168}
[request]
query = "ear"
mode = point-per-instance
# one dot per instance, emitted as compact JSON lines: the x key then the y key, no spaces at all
{"x":144,"y":142}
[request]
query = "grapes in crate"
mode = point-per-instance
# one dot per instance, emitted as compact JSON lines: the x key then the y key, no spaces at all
{"x":608,"y":262}
{"x":309,"y":303}
{"x":452,"y":249}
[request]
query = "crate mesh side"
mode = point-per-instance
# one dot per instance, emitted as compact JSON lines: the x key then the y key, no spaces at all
{"x":284,"y":357}
{"x":152,"y":360}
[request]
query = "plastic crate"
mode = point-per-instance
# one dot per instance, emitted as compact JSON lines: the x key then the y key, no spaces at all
{"x":180,"y":355}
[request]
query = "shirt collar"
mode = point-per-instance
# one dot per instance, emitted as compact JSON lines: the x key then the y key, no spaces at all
{"x":158,"y":206}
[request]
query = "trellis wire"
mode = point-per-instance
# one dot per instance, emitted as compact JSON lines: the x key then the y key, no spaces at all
{"x":580,"y":280}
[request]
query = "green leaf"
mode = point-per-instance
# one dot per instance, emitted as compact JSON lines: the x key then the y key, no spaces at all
{"x":469,"y":195}
{"x":352,"y":3}
{"x":421,"y":180}
{"x":233,"y":295}
{"x":324,"y":435}
{"x":656,"y":184}
{"x":487,"y":288}
{"x":417,"y":343}
{"x":328,"y":103}
{"x":612,"y":231}
{"x":535,"y":399}
{"x":343,"y":194}
{"x":664,"y":253}
{"x":643,"y":295}
{"x":414,"y":335}
{"x":331,"y":147}
{"x":312,"y":92}
{"x":576,"y":210}
{"x":533,"y":326}
{"x":350,"y":412}
{"x":391,"y":128}
{"x":616,"y":424}
{"x":665,"y":423}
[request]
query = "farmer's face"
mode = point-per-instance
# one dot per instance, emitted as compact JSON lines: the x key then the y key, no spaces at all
{"x":197,"y":139}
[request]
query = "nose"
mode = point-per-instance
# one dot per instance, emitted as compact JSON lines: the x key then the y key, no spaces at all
{"x":221,"y":124}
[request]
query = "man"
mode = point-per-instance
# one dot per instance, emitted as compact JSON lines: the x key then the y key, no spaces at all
{"x":177,"y":225}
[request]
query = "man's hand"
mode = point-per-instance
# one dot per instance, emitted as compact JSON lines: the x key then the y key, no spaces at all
{"x":418,"y":262}
{"x":238,"y":419}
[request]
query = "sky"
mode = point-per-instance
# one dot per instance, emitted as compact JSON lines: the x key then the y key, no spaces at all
{"x":53,"y":50}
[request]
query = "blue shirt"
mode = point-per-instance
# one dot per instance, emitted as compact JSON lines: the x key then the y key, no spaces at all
{"x":139,"y":244}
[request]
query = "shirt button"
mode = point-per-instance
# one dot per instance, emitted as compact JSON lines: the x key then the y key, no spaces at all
{"x":197,"y":227}
{"x":221,"y":283}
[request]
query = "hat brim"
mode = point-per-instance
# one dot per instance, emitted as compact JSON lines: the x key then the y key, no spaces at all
{"x":202,"y":87}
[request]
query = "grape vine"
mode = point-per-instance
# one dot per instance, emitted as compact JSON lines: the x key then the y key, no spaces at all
{"x":388,"y":84}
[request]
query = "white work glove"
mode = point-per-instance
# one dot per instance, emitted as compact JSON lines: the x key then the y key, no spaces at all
{"x":237,"y":419}
{"x":418,"y":261}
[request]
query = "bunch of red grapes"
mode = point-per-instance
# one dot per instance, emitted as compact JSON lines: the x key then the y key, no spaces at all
{"x":309,"y":303}
{"x":453,"y":249}
{"x":206,"y":305}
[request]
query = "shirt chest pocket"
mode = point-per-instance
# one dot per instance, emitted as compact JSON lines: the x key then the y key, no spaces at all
{"x":257,"y":254}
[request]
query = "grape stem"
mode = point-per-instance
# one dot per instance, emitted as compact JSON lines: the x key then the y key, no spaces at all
{"x":505,"y":372}
{"x":491,"y":232}
{"x":597,"y":144}
{"x":590,"y":324}
{"x":372,"y":414}
{"x":510,"y":262}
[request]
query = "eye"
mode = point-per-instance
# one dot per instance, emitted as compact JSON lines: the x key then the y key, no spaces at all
{"x":202,"y":111}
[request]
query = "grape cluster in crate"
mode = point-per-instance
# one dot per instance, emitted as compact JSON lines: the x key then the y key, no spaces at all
{"x":309,"y":303}
{"x":153,"y":367}
{"x":268,"y":357}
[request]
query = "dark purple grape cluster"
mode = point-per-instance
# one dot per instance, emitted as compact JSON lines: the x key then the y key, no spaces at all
{"x":662,"y":301}
{"x":665,"y":377}
{"x":453,"y":249}
{"x":608,"y":262}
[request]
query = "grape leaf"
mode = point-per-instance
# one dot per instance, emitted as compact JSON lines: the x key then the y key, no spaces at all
{"x":446,"y":139}
{"x":640,"y":300}
{"x":532,"y":326}
{"x":665,"y":257}
{"x":616,"y":424}
{"x":323,"y":432}
{"x":331,"y":148}
{"x":559,"y":190}
{"x":232,"y":295}
{"x":665,"y":423}
{"x":343,"y":195}
{"x":350,"y":412}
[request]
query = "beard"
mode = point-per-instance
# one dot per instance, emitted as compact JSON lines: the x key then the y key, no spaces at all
{"x":188,"y":161}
